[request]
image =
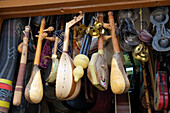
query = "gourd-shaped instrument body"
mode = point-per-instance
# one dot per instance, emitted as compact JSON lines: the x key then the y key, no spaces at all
{"x":34,"y":88}
{"x":118,"y":78}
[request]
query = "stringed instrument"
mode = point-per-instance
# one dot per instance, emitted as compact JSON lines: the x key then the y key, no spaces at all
{"x":66,"y":88}
{"x":118,"y":78}
{"x":98,"y":72}
{"x":122,"y":103}
{"x":34,"y":88}
{"x":52,"y":76}
{"x":161,"y":97}
{"x":21,"y":73}
{"x":86,"y":98}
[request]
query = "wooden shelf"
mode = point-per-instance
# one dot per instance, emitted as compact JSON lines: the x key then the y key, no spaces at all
{"x":29,"y":8}
{"x":26,"y":8}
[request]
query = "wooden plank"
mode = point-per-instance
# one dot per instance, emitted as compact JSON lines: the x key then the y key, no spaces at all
{"x":23,"y":8}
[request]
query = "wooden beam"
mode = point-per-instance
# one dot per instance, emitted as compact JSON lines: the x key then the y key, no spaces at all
{"x":23,"y":8}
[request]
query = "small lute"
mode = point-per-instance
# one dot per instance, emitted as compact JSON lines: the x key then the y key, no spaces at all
{"x":34,"y":88}
{"x":65,"y":85}
{"x":118,"y":78}
{"x":98,"y":72}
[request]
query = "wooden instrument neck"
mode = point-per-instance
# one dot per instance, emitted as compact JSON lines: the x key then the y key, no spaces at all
{"x":100,"y":40}
{"x":67,"y":30}
{"x":114,"y":38}
{"x":55,"y":45}
{"x":66,"y":39}
{"x":39,"y":45}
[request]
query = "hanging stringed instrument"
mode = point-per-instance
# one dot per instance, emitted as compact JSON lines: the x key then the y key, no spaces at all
{"x":66,"y":88}
{"x":98,"y":72}
{"x":34,"y":88}
{"x":52,"y":76}
{"x":161,"y":97}
{"x":21,"y":73}
{"x":118,"y":78}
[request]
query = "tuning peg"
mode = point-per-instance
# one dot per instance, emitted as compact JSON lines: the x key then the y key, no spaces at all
{"x":43,"y":35}
{"x":19,"y":48}
{"x":106,"y":37}
{"x":106,"y":25}
{"x":50,"y":29}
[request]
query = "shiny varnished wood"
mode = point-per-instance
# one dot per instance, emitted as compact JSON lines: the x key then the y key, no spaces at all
{"x":22,"y":8}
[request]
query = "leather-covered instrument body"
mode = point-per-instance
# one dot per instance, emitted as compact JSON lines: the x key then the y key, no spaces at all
{"x":98,"y":72}
{"x":118,"y":78}
{"x":34,"y":88}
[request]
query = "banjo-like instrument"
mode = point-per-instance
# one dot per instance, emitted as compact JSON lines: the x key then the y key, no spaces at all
{"x":52,"y":76}
{"x":65,"y":85}
{"x":98,"y":72}
{"x":21,"y":73}
{"x":34,"y":88}
{"x":118,"y":79}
